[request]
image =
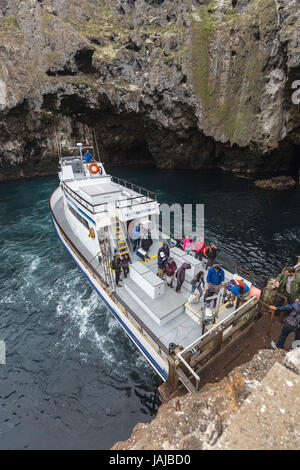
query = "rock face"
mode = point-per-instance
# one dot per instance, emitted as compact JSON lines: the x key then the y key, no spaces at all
{"x":194,"y":422}
{"x":186,"y":84}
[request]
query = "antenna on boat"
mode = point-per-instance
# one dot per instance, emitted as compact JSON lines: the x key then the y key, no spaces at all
{"x":58,"y":144}
{"x":96,"y":143}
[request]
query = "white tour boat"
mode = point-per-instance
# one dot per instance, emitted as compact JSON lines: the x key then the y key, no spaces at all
{"x":93,"y":213}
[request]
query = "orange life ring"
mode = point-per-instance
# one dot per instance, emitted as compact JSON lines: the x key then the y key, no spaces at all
{"x":96,"y":168}
{"x":91,"y":232}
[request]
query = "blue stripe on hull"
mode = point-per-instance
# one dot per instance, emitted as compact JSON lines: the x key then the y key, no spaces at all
{"x":155,"y":365}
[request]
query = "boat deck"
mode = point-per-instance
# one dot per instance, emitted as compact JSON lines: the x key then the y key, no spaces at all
{"x":165,"y":316}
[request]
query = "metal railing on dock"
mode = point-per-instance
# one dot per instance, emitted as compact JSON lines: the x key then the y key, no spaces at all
{"x":193,"y":359}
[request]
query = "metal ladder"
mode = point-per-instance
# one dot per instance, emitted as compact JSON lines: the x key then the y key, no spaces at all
{"x":118,"y":233}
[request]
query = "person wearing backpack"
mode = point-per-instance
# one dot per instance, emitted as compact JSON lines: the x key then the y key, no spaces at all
{"x":210,"y":252}
{"x":180,"y":276}
{"x":291,"y":323}
{"x":238,"y":289}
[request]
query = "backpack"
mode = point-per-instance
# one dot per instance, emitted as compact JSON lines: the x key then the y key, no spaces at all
{"x":293,"y":319}
{"x":237,"y":282}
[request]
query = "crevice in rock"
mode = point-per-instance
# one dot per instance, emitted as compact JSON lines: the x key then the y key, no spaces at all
{"x":81,"y":62}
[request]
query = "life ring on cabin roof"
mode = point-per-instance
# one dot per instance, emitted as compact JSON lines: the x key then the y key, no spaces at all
{"x":91,"y":232}
{"x":93,"y":167}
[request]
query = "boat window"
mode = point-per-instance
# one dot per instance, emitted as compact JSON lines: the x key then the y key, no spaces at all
{"x":78,"y":216}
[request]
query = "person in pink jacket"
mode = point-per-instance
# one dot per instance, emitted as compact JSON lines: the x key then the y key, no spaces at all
{"x":199,"y":248}
{"x":187,"y":245}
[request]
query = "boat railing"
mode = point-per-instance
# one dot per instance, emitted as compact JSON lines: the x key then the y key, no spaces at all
{"x":203,"y":351}
{"x":92,"y":208}
{"x":135,"y":187}
{"x":133,"y":201}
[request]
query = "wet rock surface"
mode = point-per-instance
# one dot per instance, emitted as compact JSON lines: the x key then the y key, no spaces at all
{"x":176,"y":84}
{"x":278,"y":183}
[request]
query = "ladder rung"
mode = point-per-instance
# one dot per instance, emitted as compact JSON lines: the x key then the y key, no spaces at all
{"x":124,"y":252}
{"x":123,"y":241}
{"x":117,"y":232}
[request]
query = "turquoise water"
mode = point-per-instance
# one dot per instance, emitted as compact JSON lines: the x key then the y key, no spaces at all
{"x":73,"y":379}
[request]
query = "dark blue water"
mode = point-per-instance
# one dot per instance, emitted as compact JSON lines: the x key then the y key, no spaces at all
{"x":73,"y":379}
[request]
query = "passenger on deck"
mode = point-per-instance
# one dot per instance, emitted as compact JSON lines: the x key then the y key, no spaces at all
{"x":199,"y":248}
{"x":171,"y":267}
{"x":210,"y":253}
{"x":288,"y":284}
{"x":180,"y":275}
{"x":291,"y":324}
{"x":197,"y":281}
{"x":136,"y":236}
{"x":215,"y":275}
{"x":126,"y":261}
{"x":116,"y":264}
{"x":162,"y":256}
{"x":237,"y":289}
{"x":88,"y":157}
{"x":187,"y":244}
{"x":146,"y":243}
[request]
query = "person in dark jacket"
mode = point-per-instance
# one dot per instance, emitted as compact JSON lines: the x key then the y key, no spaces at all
{"x":291,"y":323}
{"x":197,"y":281}
{"x":117,"y":266}
{"x":215,"y":276}
{"x":162,"y":256}
{"x":126,"y":261}
{"x":171,"y":267}
{"x":180,"y":275}
{"x":146,"y":243}
{"x":210,"y":253}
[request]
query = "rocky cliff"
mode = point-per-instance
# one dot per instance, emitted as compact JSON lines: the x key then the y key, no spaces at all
{"x":181,"y":84}
{"x":255,"y":407}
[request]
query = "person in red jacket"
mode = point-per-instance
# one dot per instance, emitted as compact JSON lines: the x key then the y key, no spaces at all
{"x":171,"y":267}
{"x":199,"y":248}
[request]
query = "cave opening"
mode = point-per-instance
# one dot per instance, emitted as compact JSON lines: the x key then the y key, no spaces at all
{"x":135,"y":153}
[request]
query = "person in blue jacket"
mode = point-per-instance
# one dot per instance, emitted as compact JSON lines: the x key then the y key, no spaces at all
{"x":88,"y":157}
{"x":237,"y":290}
{"x":215,"y":275}
{"x":135,"y":235}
